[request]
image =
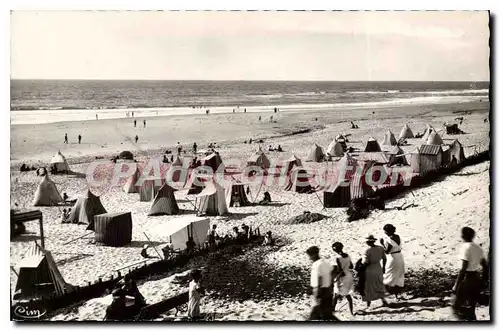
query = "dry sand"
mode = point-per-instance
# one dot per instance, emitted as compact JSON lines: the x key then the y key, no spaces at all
{"x":430,"y":231}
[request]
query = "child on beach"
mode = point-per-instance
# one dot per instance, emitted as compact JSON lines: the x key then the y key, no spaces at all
{"x":195,"y":293}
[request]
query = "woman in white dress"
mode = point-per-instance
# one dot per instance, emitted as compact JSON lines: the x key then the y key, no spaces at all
{"x":394,"y":276}
{"x":343,"y":276}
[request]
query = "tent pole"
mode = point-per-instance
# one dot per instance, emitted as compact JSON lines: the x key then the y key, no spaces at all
{"x":12,"y":268}
{"x":258,"y":192}
{"x":42,"y":239}
{"x":88,"y":233}
{"x":154,"y":247}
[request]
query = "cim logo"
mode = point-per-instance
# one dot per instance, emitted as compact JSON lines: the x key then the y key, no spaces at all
{"x":23,"y":311}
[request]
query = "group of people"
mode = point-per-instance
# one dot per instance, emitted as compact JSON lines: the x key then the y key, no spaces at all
{"x":277,"y":149}
{"x":381,"y":271}
{"x":143,"y":122}
{"x":382,"y":267}
{"x":66,"y":138}
{"x":127,"y":301}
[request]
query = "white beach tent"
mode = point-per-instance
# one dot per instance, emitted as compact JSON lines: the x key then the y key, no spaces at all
{"x":179,"y":229}
{"x":59,"y":162}
{"x":335,"y":149}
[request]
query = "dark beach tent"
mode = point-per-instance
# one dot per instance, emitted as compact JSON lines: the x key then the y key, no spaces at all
{"x":235,"y":190}
{"x":338,"y":195}
{"x":126,"y":155}
{"x":130,"y":186}
{"x":177,"y":162}
{"x":406,"y":132}
{"x":212,"y":200}
{"x":299,"y":181}
{"x":259,"y":159}
{"x":335,"y":149}
{"x":113,"y":229}
{"x":372,"y":145}
{"x":148,"y":190}
{"x":85,"y":209}
{"x":396,"y":156}
{"x":213,"y":161}
{"x":389,"y":139}
{"x":315,"y":154}
{"x":196,"y":182}
{"x":291,"y":163}
{"x":434,"y":139}
{"x":39,"y":275}
{"x":59,"y":163}
{"x":164,"y":202}
{"x":46,"y":193}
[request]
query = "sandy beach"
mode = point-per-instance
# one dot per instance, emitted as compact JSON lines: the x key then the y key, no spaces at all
{"x":430,"y":230}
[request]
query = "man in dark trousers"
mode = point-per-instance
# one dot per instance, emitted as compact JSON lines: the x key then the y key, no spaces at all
{"x":195,"y":147}
{"x":65,"y":138}
{"x":144,"y":123}
{"x":321,"y":285}
{"x":469,"y":281}
{"x":136,"y":138}
{"x":79,"y":139}
{"x":135,"y":123}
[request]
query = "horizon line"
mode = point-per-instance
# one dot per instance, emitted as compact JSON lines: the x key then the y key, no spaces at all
{"x":237,"y":80}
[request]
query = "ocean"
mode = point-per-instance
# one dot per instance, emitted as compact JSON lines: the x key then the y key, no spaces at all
{"x":81,"y":94}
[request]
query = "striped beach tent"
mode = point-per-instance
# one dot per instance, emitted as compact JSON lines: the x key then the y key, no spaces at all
{"x":130,"y":185}
{"x":211,"y":201}
{"x":39,"y":275}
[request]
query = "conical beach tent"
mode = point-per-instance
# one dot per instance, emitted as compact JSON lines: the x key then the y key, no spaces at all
{"x":85,"y":209}
{"x":406,"y":132}
{"x":212,"y":200}
{"x":434,"y":139}
{"x":372,"y":145}
{"x":59,"y":162}
{"x":315,"y":154}
{"x":196,"y":182}
{"x":213,"y":161}
{"x":428,"y":130}
{"x":164,"y":203}
{"x":389,"y":139}
{"x":299,"y":182}
{"x":291,"y":163}
{"x":130,"y":185}
{"x":236,"y":191}
{"x":46,"y":193}
{"x":456,"y":152}
{"x":39,"y":275}
{"x":259,"y":159}
{"x":394,"y":158}
{"x":335,"y":149}
{"x":177,"y":161}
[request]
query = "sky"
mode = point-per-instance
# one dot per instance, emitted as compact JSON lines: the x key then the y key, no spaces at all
{"x":332,"y":46}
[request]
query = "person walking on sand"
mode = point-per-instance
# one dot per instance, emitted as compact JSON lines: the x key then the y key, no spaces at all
{"x":394,"y":276}
{"x":65,"y":138}
{"x":195,"y":293}
{"x":79,"y":139}
{"x":260,"y":118}
{"x":136,"y":138}
{"x":132,"y":114}
{"x":469,"y":283}
{"x":374,"y":273}
{"x":195,"y":148}
{"x":96,"y":117}
{"x":135,"y":123}
{"x":343,"y":276}
{"x":144,"y":123}
{"x":321,"y":285}
{"x":179,"y":148}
